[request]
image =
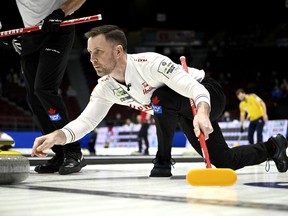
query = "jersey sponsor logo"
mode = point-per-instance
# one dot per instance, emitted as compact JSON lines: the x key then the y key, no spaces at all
{"x":140,"y":60}
{"x":147,"y":88}
{"x":123,"y":99}
{"x":166,"y":68}
{"x":120,"y":92}
{"x":122,"y":95}
{"x":105,"y":79}
{"x":55,"y":117}
{"x":139,"y":107}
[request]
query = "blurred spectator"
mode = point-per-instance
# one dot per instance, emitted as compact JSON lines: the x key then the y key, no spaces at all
{"x":276,"y":92}
{"x":226,"y":117}
{"x":92,"y":142}
{"x":128,"y":125}
{"x":118,"y":121}
{"x":284,"y":88}
{"x":145,"y":120}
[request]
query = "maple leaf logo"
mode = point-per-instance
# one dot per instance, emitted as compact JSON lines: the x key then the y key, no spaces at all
{"x":51,"y":111}
{"x":155,"y":100}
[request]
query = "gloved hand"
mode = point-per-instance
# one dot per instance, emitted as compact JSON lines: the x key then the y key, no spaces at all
{"x":241,"y":129}
{"x":52,"y":22}
{"x":16,"y":42}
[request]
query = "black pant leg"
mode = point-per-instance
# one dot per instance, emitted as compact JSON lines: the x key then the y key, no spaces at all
{"x":44,"y":66}
{"x":259,"y":130}
{"x":221,"y":155}
{"x":251,"y":130}
{"x":165,"y":103}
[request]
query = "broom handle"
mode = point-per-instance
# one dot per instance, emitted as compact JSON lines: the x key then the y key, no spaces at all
{"x":193,"y":107}
{"x":38,"y":27}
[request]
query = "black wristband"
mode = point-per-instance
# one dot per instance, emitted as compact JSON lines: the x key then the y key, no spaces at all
{"x":59,"y":12}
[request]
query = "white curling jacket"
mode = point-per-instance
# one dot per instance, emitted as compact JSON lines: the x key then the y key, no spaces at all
{"x":145,"y":72}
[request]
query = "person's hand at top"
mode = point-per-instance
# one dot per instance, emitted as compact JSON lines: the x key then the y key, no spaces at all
{"x":52,"y":22}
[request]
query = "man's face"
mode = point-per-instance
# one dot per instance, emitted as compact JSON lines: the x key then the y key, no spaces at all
{"x":101,"y":55}
{"x":241,"y":96}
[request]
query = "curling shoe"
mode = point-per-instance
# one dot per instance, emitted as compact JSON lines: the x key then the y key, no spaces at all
{"x":51,"y":166}
{"x":72,"y":163}
{"x":161,"y":169}
{"x":280,"y":158}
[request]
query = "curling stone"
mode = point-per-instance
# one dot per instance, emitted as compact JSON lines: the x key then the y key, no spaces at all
{"x":14,"y":167}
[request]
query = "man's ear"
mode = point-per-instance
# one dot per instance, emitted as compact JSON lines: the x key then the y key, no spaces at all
{"x":119,"y":50}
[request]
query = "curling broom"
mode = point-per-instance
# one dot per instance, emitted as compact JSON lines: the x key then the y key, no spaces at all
{"x":38,"y":27}
{"x":208,"y":176}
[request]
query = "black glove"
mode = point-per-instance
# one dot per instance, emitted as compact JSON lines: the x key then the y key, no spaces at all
{"x":241,"y":129}
{"x":16,"y":43}
{"x":52,"y":22}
